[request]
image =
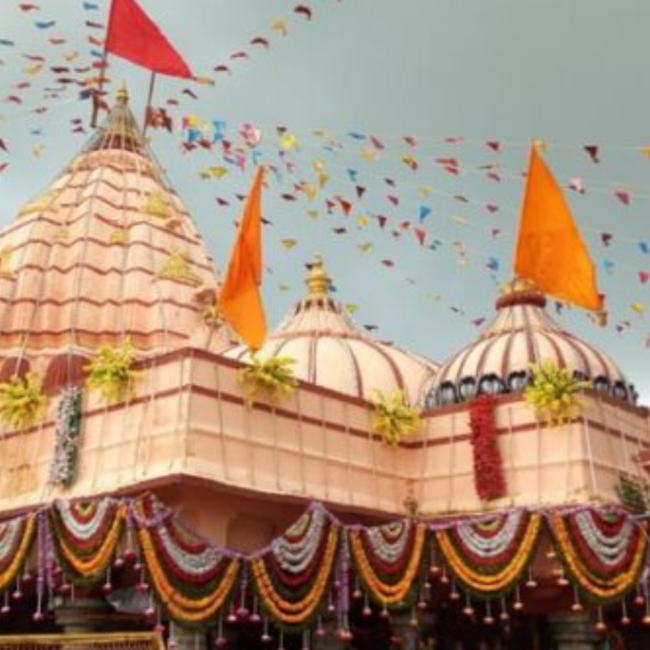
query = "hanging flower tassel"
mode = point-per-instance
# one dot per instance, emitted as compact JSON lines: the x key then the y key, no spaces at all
{"x":504,"y":616}
{"x":489,"y":619}
{"x":577,"y":605}
{"x":646,"y":616}
{"x":625,"y":619}
{"x":601,"y":627}
{"x":221,"y":640}
{"x":41,"y":564}
{"x":63,"y":467}
{"x":342,"y":581}
{"x":266,"y":637}
{"x":489,"y":478}
{"x":242,"y":611}
{"x":255,"y":616}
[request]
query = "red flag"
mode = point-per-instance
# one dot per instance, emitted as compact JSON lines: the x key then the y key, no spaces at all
{"x":135,"y":37}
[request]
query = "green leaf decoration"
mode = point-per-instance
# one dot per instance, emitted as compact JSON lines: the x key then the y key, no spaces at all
{"x":22,"y":401}
{"x":552,"y":393}
{"x":272,"y":377}
{"x":633,"y":492}
{"x":111,"y":372}
{"x":393,"y":418}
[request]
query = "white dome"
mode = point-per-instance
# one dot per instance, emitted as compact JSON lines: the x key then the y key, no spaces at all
{"x":522,"y":334}
{"x":331,"y":351}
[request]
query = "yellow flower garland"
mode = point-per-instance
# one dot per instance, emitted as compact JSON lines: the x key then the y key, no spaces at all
{"x":103,"y":556}
{"x":502,"y":581}
{"x":12,"y":570}
{"x":191,"y":610}
{"x":299,"y":612}
{"x":609,"y":589}
{"x":383,"y":592}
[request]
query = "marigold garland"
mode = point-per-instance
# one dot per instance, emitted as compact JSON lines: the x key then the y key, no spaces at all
{"x":284,"y":605}
{"x":603,"y":564}
{"x":185,"y":608}
{"x":494,"y":572}
{"x":603,"y":550}
{"x":192,"y":579}
{"x":16,"y":538}
{"x":388,"y":582}
{"x":86,"y":546}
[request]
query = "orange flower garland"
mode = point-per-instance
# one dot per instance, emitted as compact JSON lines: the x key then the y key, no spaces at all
{"x":383,"y":591}
{"x":603,"y":550}
{"x":482,"y":581}
{"x":299,"y":612}
{"x":92,"y":566}
{"x":180,"y":607}
{"x":605,"y":587}
{"x":18,"y":558}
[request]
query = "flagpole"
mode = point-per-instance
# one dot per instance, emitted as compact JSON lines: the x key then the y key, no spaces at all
{"x":98,"y":93}
{"x":152,"y":82}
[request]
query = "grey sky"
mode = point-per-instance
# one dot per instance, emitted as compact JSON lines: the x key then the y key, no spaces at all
{"x":566,"y":71}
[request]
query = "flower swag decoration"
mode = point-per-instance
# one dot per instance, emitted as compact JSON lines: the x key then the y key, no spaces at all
{"x":603,"y":551}
{"x":292,"y":576}
{"x":272,"y":377}
{"x":63,"y":467}
{"x":86,"y":537}
{"x":22,"y":401}
{"x":193,"y":579}
{"x":552,"y":393}
{"x":16,"y":537}
{"x":489,"y":478}
{"x":633,"y":492}
{"x":388,"y":560}
{"x":488,"y":556}
{"x":307,"y":571}
{"x":393,"y":418}
{"x":111,"y":372}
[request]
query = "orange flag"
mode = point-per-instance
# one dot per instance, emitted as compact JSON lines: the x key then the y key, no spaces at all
{"x":550,"y":251}
{"x":240,"y":302}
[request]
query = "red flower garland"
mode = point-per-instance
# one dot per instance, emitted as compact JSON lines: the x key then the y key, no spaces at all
{"x":489,"y":478}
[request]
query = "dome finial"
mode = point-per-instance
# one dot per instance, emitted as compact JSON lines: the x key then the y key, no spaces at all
{"x":318,"y":282}
{"x":122,"y":96}
{"x":518,"y":285}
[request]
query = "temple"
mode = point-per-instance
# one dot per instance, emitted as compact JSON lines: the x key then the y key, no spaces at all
{"x":159,"y":486}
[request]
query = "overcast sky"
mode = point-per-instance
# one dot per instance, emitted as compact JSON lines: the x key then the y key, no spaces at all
{"x":570,"y":72}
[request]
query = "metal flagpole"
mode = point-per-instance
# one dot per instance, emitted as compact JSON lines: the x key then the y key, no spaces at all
{"x":96,"y":97}
{"x":148,"y":106}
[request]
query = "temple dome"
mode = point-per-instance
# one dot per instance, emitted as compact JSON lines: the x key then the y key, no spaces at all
{"x":108,"y":250}
{"x":522,"y":334}
{"x":331,"y":351}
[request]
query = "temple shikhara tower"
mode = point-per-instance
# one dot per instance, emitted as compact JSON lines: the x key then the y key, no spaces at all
{"x":161,"y":486}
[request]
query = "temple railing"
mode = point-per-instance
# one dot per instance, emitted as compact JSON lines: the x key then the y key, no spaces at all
{"x":113,"y":641}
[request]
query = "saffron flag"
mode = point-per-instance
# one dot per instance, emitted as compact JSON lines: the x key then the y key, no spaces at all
{"x":550,"y":250}
{"x":240,"y":302}
{"x":135,"y":37}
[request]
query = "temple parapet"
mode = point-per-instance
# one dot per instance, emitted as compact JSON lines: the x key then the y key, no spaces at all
{"x":189,"y":419}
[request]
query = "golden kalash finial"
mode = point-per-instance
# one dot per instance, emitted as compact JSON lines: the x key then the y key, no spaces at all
{"x":122,"y":96}
{"x":518,"y":285}
{"x":318,"y":282}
